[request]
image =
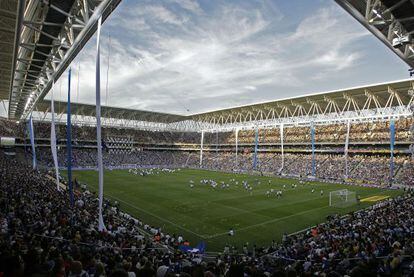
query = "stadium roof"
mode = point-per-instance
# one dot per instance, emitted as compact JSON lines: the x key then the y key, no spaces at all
{"x":8,"y":20}
{"x":324,"y":102}
{"x":47,"y":37}
{"x":391,"y":21}
{"x":375,"y":101}
{"x":111,"y":112}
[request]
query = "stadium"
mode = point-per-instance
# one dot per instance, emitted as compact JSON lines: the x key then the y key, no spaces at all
{"x":198,"y":138}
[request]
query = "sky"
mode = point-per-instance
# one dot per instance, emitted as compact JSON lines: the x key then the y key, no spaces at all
{"x":192,"y":56}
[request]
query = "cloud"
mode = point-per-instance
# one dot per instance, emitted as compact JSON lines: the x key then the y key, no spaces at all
{"x":250,"y":87}
{"x":190,"y":5}
{"x":175,"y":56}
{"x":162,"y":14}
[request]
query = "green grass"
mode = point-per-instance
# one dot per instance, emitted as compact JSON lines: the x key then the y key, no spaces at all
{"x":202,"y":213}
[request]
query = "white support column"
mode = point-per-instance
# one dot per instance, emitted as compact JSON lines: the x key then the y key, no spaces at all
{"x":348,"y":129}
{"x":216,"y":158}
{"x":412,"y":139}
{"x":237,"y":148}
{"x":201,"y":148}
{"x":281,"y":148}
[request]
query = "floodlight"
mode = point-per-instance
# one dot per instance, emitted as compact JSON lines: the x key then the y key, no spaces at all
{"x":377,"y":13}
{"x":400,"y":40}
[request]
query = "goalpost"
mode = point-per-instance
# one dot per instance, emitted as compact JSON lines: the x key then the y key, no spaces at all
{"x":342,"y":198}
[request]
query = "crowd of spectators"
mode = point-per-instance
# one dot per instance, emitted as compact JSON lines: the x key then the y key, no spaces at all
{"x":87,"y":157}
{"x":385,"y":230}
{"x":362,"y":169}
{"x":406,"y":173}
{"x":335,"y":133}
{"x":376,"y":169}
{"x":42,"y":235}
{"x":9,"y":128}
{"x":368,"y":169}
{"x":145,"y":148}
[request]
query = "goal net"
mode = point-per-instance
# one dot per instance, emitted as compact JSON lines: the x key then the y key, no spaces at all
{"x":342,"y":198}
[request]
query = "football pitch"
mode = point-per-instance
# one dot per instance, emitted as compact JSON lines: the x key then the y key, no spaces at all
{"x":204,"y":213}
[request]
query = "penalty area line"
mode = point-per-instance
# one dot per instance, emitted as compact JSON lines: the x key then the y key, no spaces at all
{"x":158,"y":217}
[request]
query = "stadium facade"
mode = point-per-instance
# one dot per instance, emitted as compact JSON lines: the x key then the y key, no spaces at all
{"x":362,"y":135}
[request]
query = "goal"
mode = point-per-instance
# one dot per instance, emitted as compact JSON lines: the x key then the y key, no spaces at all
{"x":342,"y":198}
